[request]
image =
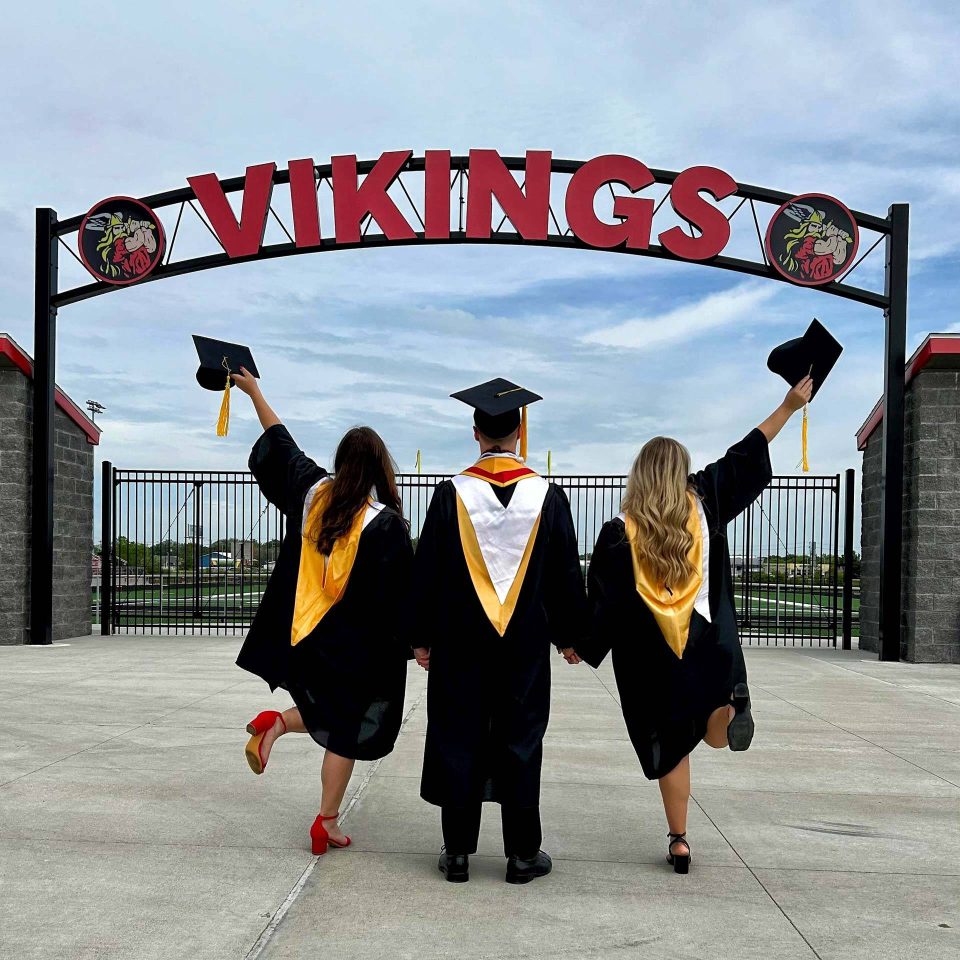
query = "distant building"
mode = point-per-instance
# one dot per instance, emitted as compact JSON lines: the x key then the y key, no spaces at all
{"x":246,"y":551}
{"x":217,"y":559}
{"x":75,"y":436}
{"x":742,"y":564}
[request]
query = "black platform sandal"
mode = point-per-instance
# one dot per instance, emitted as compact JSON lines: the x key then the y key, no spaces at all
{"x":740,"y":728}
{"x":680,"y":861}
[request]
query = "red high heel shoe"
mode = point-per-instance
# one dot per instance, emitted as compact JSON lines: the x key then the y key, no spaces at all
{"x":320,"y":839}
{"x":258,"y":726}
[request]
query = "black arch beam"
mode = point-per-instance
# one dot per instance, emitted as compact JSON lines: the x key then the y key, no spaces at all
{"x":272,"y":251}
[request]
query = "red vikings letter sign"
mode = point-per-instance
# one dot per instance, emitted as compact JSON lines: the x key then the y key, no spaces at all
{"x":811,"y":240}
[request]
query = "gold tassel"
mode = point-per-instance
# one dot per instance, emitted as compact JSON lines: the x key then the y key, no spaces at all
{"x":418,"y":463}
{"x":806,"y":464}
{"x":523,"y":434}
{"x":549,"y":461}
{"x":223,"y":423}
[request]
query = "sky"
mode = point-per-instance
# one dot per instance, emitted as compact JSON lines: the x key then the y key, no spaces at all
{"x":859,"y":101}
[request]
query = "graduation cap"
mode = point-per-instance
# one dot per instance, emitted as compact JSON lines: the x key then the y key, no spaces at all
{"x":812,"y":355}
{"x":218,"y":359}
{"x":499,"y":407}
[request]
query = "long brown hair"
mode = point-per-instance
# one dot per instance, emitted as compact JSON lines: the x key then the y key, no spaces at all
{"x":361,"y":464}
{"x":656,"y":500}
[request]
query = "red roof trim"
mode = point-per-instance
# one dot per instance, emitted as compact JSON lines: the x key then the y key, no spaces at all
{"x":18,"y":357}
{"x":935,"y":345}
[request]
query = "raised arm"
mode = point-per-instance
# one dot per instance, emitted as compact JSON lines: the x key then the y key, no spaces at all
{"x":283,"y":471}
{"x":796,"y":397}
{"x":248,"y":384}
{"x":740,"y":475}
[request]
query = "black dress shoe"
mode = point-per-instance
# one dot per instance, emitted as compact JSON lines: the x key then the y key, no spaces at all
{"x":740,"y":728}
{"x":523,"y":871}
{"x":456,"y":868}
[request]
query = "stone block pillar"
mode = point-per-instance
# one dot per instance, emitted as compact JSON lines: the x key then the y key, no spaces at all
{"x":74,"y":445}
{"x":930,"y":627}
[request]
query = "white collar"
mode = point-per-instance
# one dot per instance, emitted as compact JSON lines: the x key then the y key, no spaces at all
{"x":497,"y":453}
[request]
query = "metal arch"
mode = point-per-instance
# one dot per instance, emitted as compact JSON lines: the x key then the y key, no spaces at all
{"x":518,"y":164}
{"x":48,"y":298}
{"x":460,"y":164}
{"x":273,"y":251}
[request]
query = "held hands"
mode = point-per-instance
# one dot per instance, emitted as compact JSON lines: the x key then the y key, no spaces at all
{"x":799,"y":395}
{"x":422,"y":655}
{"x":246,"y":382}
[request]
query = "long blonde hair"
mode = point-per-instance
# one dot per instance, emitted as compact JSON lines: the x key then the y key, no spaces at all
{"x":656,"y":500}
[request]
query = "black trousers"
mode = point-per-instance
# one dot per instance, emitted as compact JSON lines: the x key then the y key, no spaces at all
{"x":522,"y":833}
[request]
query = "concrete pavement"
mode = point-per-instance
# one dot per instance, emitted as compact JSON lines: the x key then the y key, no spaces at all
{"x":131,"y":827}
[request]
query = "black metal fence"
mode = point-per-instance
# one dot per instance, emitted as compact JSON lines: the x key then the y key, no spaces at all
{"x":784,"y":551}
{"x":191,"y":551}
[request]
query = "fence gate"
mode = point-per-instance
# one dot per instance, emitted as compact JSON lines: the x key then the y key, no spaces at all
{"x":786,"y":563}
{"x":191,"y":551}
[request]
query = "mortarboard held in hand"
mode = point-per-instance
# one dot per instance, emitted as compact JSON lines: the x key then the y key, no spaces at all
{"x":218,"y":359}
{"x":812,"y":355}
{"x":499,"y":407}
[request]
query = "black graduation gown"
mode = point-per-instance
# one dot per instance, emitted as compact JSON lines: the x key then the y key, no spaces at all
{"x":348,"y":675}
{"x":488,"y":697}
{"x":666,"y":701}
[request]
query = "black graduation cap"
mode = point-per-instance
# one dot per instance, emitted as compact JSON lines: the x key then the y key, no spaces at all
{"x":814,"y":354}
{"x":219,"y":358}
{"x":496,"y":406}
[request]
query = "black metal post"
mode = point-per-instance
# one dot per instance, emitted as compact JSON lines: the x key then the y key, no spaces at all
{"x":747,"y":572}
{"x":835,"y":555}
{"x":106,"y":548}
{"x":197,"y":544}
{"x":891,"y":507}
{"x":848,"y":560}
{"x":44,"y":387}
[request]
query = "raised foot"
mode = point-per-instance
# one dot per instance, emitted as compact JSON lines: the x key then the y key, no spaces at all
{"x":741,"y":727}
{"x":264,"y":729}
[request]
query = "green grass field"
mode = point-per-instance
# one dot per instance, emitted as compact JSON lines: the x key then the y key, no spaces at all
{"x":232,"y":600}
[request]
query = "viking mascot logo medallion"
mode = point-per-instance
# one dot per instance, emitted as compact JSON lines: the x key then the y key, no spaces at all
{"x":121,"y":240}
{"x":812,"y":239}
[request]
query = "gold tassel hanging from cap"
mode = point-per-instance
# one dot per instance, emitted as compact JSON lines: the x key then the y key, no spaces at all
{"x":223,"y":421}
{"x":803,"y":435}
{"x":418,"y":463}
{"x":549,"y":461}
{"x":523,"y":434}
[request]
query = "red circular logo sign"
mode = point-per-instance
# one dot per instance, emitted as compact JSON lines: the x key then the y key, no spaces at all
{"x":121,"y":240}
{"x":812,"y":239}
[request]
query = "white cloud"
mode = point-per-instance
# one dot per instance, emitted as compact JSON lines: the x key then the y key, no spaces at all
{"x":872,"y":118}
{"x":716,"y":310}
